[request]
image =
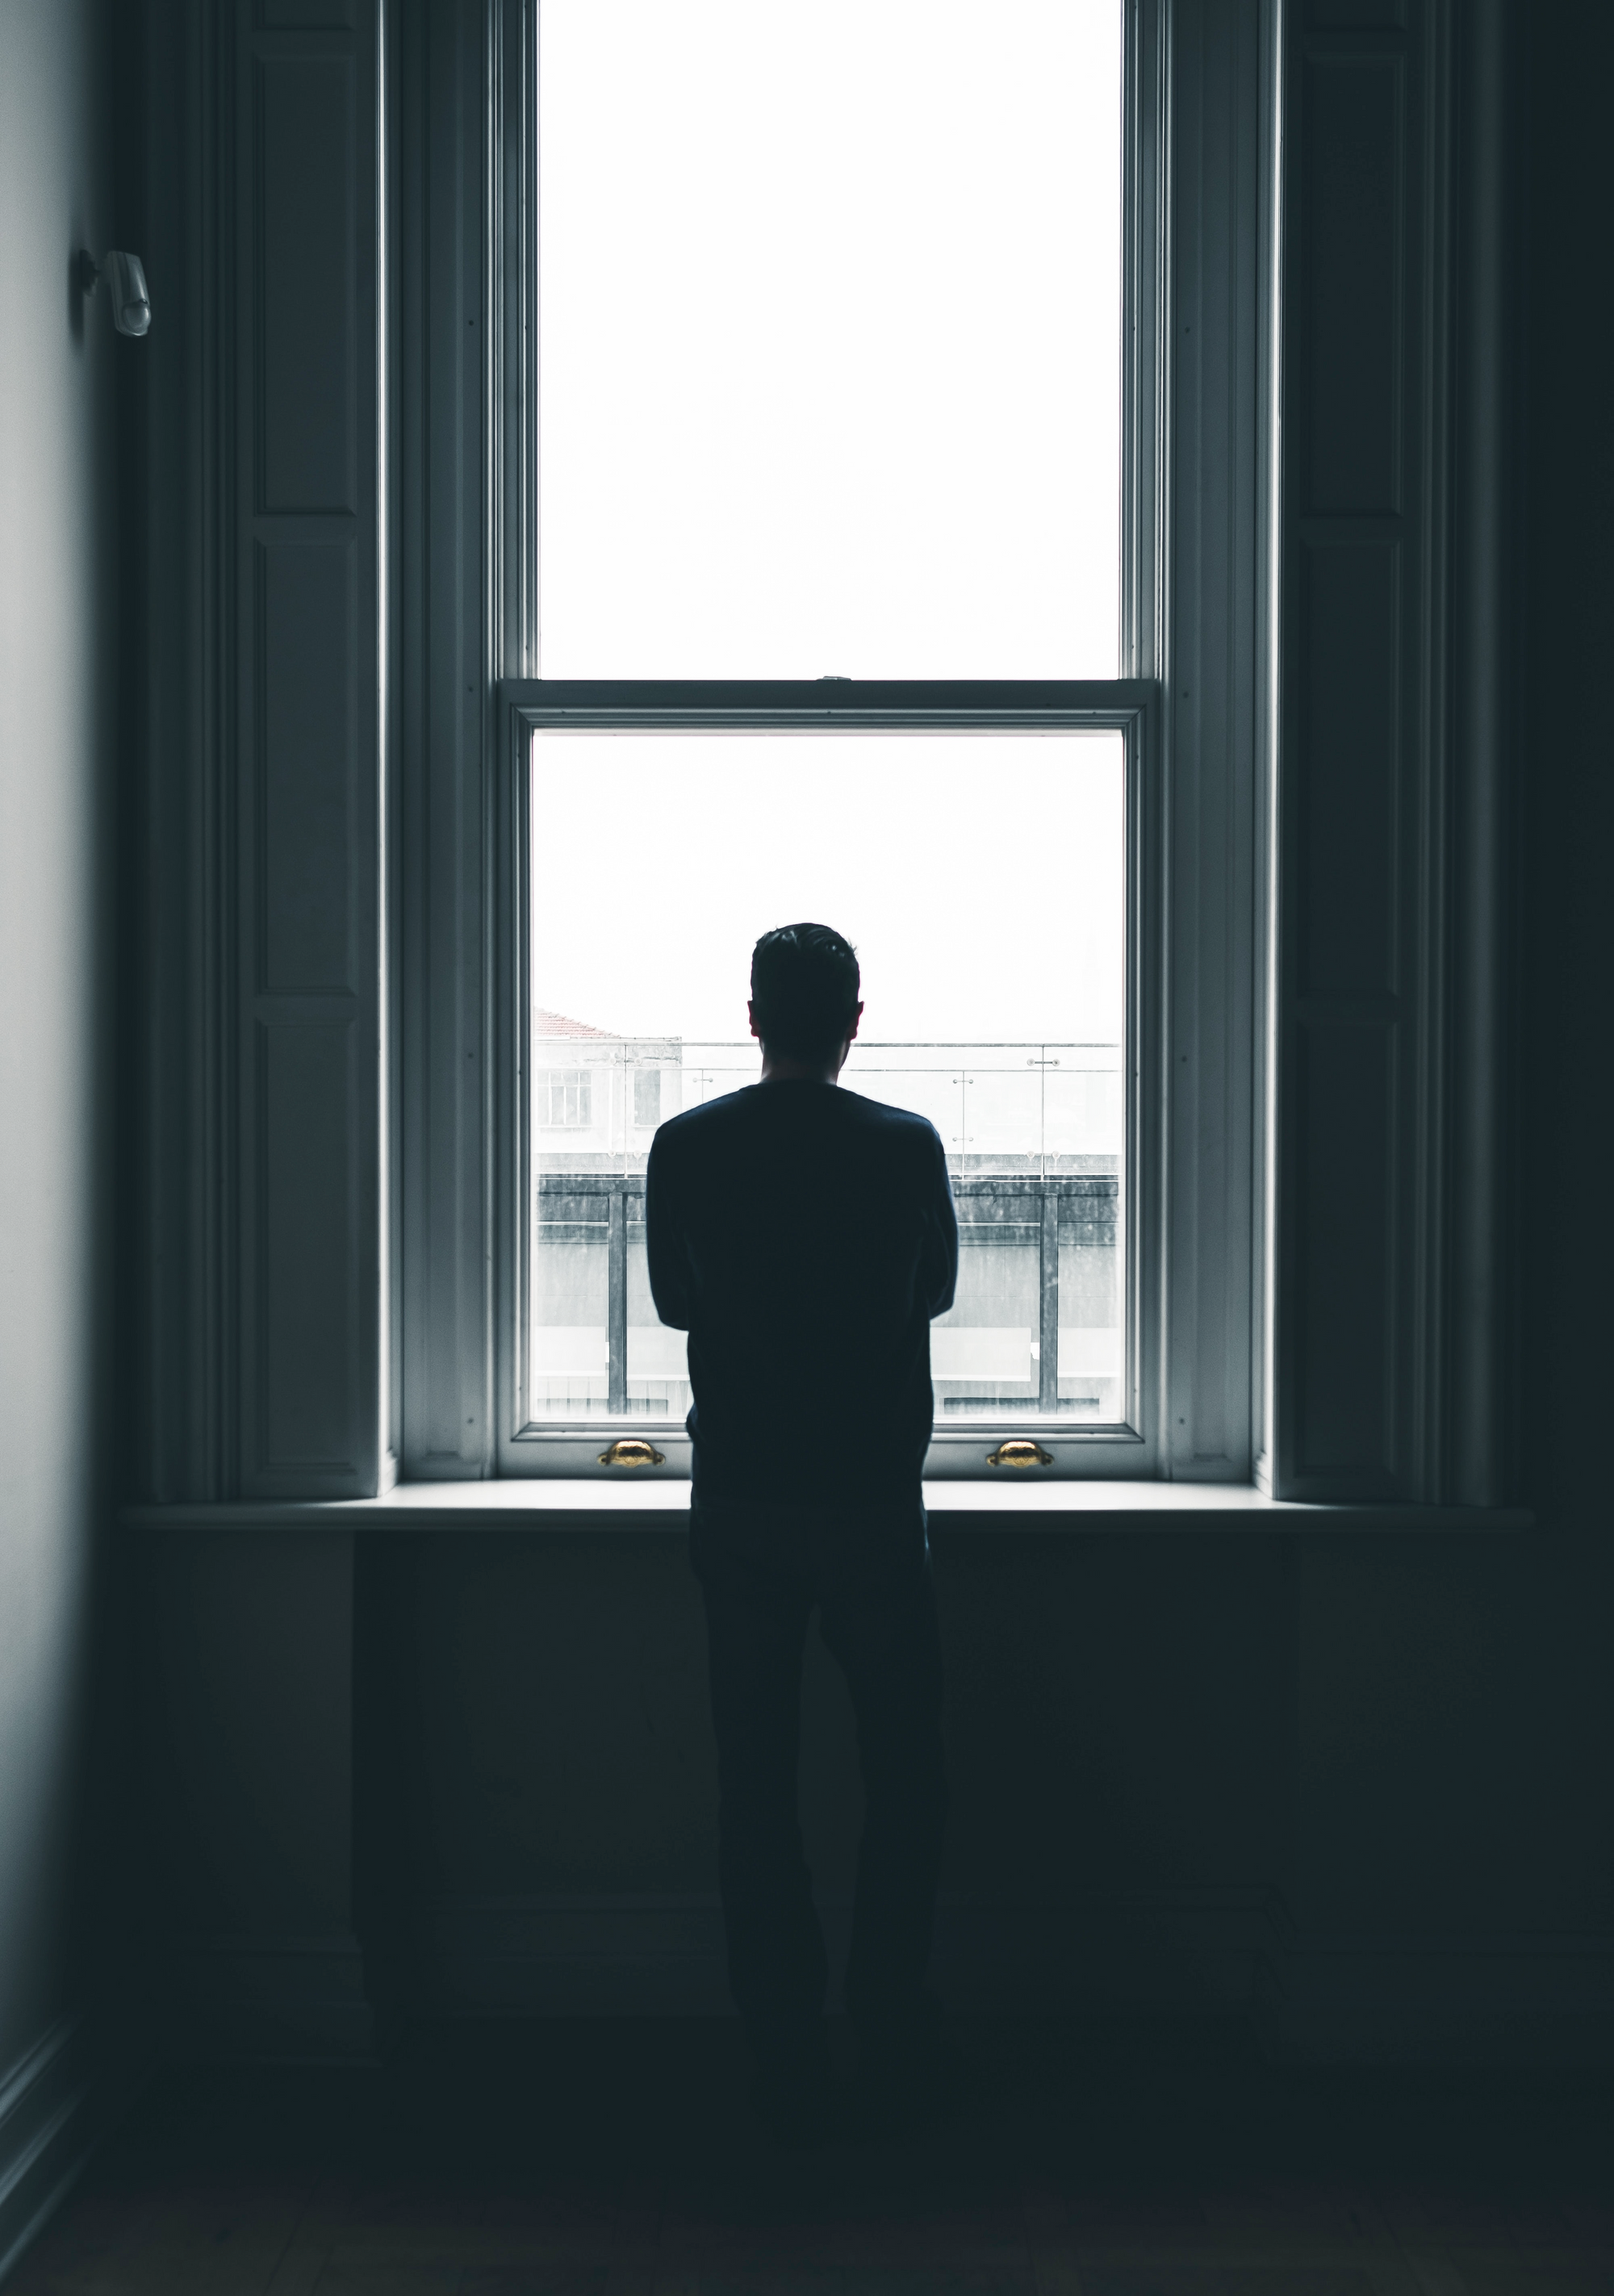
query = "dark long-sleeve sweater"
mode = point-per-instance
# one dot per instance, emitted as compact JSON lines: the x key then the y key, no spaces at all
{"x":804,"y":1237}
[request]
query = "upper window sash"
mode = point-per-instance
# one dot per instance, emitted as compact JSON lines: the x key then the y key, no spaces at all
{"x":829,"y":338}
{"x":513,"y":238}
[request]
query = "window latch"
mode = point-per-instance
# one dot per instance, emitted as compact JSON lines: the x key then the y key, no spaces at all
{"x":630,"y":1452}
{"x":1020,"y":1453}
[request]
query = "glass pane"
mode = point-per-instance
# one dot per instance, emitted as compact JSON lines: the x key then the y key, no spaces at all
{"x":570,"y":1353}
{"x":982,"y":878}
{"x":830,"y":335}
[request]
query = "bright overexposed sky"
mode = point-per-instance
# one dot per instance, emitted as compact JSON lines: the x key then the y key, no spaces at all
{"x":981,"y":877}
{"x":830,"y":351}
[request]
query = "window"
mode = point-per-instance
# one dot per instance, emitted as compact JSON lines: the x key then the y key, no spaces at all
{"x":839,"y":493}
{"x":647,"y":1099}
{"x":826,"y":388}
{"x":566,"y":1096}
{"x":830,"y":338}
{"x":1001,"y":1016}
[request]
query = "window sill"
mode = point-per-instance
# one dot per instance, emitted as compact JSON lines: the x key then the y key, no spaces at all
{"x":594,"y":1505}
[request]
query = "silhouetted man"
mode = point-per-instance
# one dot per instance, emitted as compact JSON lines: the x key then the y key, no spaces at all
{"x":804,"y":1237}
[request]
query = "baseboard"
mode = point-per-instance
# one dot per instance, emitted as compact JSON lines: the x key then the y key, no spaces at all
{"x":258,"y":2000}
{"x":1177,"y":1952}
{"x":1110,"y":1953}
{"x":564,"y":1956}
{"x":1514,"y":2000}
{"x":57,"y":2101}
{"x":1511,"y":2000}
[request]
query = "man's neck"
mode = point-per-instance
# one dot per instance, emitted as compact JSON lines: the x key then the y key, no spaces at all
{"x":777,"y":1067}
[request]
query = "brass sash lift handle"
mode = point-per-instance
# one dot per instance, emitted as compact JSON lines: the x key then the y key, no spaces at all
{"x":630,"y":1452}
{"x":1019,"y":1453}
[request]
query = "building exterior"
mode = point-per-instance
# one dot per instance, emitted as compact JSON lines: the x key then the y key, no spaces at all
{"x":1033,"y":1135}
{"x":597,"y":1095}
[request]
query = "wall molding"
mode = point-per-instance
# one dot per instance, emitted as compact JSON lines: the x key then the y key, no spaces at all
{"x":562,"y":1507}
{"x":1102,"y":1952}
{"x":253,"y":1999}
{"x":1208,"y":662}
{"x":449,"y":569}
{"x":1539,"y":2000}
{"x":57,"y":2099}
{"x":248,"y":1777}
{"x":184,"y":1425}
{"x":1390,"y":1215}
{"x":1526,"y":1999}
{"x":259,"y":897}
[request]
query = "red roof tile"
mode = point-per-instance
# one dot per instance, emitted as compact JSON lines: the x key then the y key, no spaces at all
{"x":557,"y":1024}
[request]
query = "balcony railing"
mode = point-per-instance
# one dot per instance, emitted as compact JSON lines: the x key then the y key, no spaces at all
{"x":1033,"y":1132}
{"x":605,"y":1208}
{"x":1034,"y":1107}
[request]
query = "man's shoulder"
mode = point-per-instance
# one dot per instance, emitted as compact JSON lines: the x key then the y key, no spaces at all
{"x":711,"y":1118}
{"x":902,"y":1126}
{"x":697,"y":1130}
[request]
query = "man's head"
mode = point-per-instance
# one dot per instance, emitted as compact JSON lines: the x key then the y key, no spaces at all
{"x":804,"y":994}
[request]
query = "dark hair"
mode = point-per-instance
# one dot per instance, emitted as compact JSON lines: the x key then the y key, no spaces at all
{"x":804,"y":990}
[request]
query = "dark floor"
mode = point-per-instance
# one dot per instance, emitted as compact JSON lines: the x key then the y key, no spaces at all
{"x":615,"y":2157}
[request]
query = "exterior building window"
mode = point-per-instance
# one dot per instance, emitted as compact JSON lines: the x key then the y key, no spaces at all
{"x":647,"y":1098}
{"x":566,"y":1096}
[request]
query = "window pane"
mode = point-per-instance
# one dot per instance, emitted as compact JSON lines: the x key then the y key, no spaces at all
{"x":982,"y":878}
{"x":571,"y":1286}
{"x":829,"y":350}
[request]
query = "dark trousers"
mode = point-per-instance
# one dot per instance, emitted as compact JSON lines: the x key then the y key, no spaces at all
{"x":868,"y":1572}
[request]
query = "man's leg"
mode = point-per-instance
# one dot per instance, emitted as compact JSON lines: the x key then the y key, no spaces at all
{"x":756,"y":1621}
{"x":878,"y":1617}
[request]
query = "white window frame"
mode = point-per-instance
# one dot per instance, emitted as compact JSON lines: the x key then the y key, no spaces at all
{"x":1179,"y":923}
{"x":1190,"y":594}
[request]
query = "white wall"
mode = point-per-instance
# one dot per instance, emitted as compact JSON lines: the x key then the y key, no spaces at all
{"x":57,"y":791}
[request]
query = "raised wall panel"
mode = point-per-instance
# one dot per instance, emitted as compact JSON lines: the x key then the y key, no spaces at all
{"x":1360,"y":755}
{"x":261,"y":825}
{"x":309,"y":1383}
{"x":246,"y":1660}
{"x":308,"y":257}
{"x":306,"y":15}
{"x":1353,"y":159}
{"x":1348,"y":647}
{"x":1358,"y":15}
{"x":307,"y":665}
{"x":309,"y":1120}
{"x":1345,"y":1239}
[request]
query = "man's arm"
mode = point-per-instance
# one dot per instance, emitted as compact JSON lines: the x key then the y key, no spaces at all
{"x":663,"y":1242}
{"x":938,"y":1253}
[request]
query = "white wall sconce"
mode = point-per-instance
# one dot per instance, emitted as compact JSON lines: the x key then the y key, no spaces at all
{"x":125,"y":278}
